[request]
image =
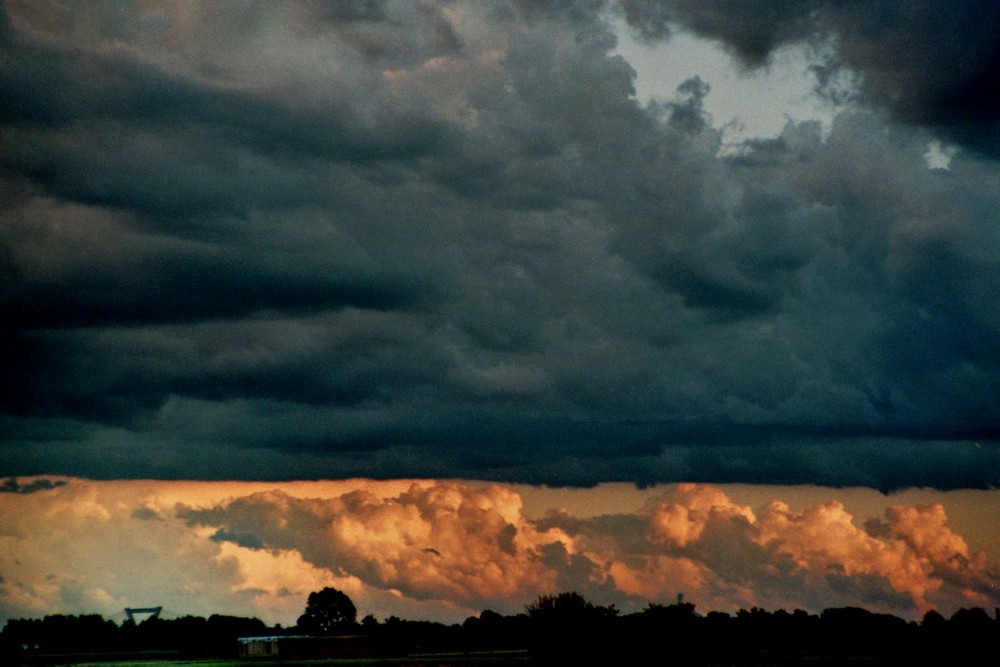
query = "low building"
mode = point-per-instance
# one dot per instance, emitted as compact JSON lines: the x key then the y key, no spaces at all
{"x":259,"y":647}
{"x":299,"y":647}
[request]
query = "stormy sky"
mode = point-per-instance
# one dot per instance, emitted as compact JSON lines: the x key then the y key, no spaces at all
{"x":467,"y":240}
{"x":466,"y":260}
{"x":391,"y":239}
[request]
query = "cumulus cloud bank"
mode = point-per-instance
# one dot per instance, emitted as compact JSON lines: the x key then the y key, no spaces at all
{"x":399,"y":239}
{"x":446,"y":550}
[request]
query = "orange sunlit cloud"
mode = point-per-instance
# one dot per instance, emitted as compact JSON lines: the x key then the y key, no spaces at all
{"x":446,"y":549}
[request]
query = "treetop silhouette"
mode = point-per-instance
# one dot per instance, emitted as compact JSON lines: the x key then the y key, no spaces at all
{"x":328,"y":612}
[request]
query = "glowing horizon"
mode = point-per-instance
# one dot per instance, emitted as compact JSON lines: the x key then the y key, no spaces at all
{"x":446,"y":550}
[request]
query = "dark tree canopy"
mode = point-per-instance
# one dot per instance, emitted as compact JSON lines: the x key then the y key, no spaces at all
{"x":327,"y":612}
{"x":567,"y":605}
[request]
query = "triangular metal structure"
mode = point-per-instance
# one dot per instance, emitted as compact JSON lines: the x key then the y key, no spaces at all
{"x":154,"y":612}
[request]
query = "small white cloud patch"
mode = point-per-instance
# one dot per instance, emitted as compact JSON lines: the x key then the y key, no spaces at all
{"x":939,"y":155}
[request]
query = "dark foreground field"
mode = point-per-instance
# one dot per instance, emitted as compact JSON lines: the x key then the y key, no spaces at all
{"x":522,"y":659}
{"x":557,"y":630}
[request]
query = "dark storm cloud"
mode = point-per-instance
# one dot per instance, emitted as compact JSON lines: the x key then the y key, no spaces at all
{"x":930,"y":63}
{"x":11,"y":485}
{"x":752,"y":29}
{"x":186,"y":287}
{"x":444,"y":240}
{"x":182,"y":144}
{"x":248,"y":540}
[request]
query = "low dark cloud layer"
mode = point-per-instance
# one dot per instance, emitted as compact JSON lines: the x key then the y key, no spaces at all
{"x":11,"y":485}
{"x":445,"y":240}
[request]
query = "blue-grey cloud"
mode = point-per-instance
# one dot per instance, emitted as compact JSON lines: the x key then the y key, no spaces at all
{"x":445,"y":240}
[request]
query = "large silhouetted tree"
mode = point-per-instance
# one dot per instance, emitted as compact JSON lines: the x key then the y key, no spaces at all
{"x":327,"y":612}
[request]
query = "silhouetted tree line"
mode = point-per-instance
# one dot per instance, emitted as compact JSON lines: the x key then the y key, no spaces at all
{"x":91,"y":635}
{"x":554,"y":629}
